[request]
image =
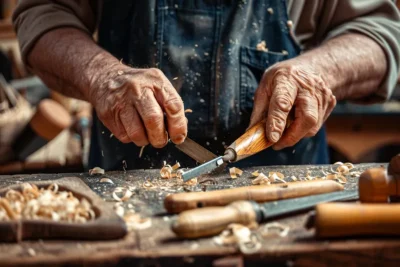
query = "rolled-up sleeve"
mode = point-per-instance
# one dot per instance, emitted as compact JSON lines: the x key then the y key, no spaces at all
{"x":33,"y":18}
{"x":320,"y":21}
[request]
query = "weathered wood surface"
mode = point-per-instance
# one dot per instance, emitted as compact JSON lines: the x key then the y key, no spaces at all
{"x":157,"y":245}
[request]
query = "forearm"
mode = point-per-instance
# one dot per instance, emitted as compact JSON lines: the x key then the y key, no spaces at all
{"x":351,"y":65}
{"x":68,"y":61}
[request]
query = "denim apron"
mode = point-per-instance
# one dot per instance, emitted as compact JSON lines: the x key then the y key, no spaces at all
{"x":208,"y":50}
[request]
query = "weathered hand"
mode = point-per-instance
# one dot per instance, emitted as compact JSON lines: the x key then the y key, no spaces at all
{"x":289,"y":84}
{"x":131,"y":104}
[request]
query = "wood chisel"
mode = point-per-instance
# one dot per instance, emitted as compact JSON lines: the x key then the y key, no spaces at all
{"x":213,"y":220}
{"x":179,"y":202}
{"x":250,"y":143}
{"x":369,"y":218}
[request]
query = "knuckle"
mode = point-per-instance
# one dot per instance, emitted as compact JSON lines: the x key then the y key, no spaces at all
{"x":311,"y":118}
{"x":283,"y":101}
{"x":153,"y":119}
{"x":174,"y":105}
{"x":156,"y":72}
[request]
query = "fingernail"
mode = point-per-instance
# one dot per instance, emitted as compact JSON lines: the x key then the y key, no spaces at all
{"x":180,"y":138}
{"x":274,"y":136}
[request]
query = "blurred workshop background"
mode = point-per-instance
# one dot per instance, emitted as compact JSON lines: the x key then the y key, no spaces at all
{"x":356,"y":133}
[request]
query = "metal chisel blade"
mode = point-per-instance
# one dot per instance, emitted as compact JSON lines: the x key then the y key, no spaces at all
{"x":196,"y":151}
{"x":202,"y":169}
{"x":282,"y":207}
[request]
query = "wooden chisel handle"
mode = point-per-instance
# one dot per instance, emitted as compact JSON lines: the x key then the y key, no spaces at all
{"x":252,"y":141}
{"x":212,"y":220}
{"x":355,"y":219}
{"x":176,"y":203}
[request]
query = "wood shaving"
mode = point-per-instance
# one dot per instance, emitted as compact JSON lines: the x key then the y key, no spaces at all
{"x":355,"y":174}
{"x":48,"y":203}
{"x":106,"y":180}
{"x":188,"y":110}
{"x":125,"y":196}
{"x":262,"y":46}
{"x":240,"y":236}
{"x":135,"y":222}
{"x":148,"y":184}
{"x":235,"y":172}
{"x":31,"y":252}
{"x":270,"y":10}
{"x":176,"y":166}
{"x":276,"y":176}
{"x":96,"y":170}
{"x":261,"y":179}
{"x":141,"y":151}
{"x":283,"y":230}
{"x":255,"y":173}
{"x":191,"y":182}
{"x":294,"y":178}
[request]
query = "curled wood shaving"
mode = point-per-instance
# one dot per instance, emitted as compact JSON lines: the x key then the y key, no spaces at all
{"x":48,"y":203}
{"x":106,"y":180}
{"x":262,"y":46}
{"x":235,"y":172}
{"x":126,"y":194}
{"x":283,"y":230}
{"x":148,"y":184}
{"x":188,"y":110}
{"x":261,"y":179}
{"x":276,"y":176}
{"x":166,"y":171}
{"x":255,"y":173}
{"x":240,"y":236}
{"x":96,"y":170}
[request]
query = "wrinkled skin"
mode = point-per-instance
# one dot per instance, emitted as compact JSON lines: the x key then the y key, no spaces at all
{"x":286,"y":85}
{"x":131,"y":103}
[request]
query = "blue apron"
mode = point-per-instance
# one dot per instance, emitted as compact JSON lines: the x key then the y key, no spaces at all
{"x":207,"y":49}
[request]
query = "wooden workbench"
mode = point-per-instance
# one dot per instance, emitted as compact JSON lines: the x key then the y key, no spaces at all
{"x":157,"y":245}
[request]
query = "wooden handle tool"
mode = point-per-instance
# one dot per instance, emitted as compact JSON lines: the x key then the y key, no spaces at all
{"x":355,"y":219}
{"x":176,"y":203}
{"x":212,"y":220}
{"x":377,"y":185}
{"x":251,"y":142}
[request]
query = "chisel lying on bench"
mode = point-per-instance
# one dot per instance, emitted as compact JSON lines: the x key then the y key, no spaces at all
{"x":176,"y":203}
{"x":213,"y":220}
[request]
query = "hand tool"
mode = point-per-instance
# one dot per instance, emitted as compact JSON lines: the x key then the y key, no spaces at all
{"x":250,"y":143}
{"x":377,"y":185}
{"x":212,"y":220}
{"x":356,"y":219}
{"x":176,"y":203}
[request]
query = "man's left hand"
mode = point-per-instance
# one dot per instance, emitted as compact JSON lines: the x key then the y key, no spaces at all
{"x":286,"y":85}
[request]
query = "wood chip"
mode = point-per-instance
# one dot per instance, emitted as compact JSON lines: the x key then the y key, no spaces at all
{"x":96,"y":170}
{"x":191,"y":182}
{"x":141,"y":151}
{"x":240,"y":236}
{"x":235,"y":172}
{"x":283,"y":230}
{"x":255,"y":173}
{"x":188,"y":110}
{"x":126,"y":194}
{"x":106,"y":180}
{"x":261,"y":179}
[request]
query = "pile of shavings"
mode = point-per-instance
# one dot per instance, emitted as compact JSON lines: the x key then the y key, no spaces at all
{"x":45,"y":204}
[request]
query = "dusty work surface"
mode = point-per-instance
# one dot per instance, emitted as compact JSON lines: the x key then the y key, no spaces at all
{"x":157,"y":245}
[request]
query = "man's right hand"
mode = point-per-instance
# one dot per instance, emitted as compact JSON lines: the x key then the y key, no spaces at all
{"x":131,"y":103}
